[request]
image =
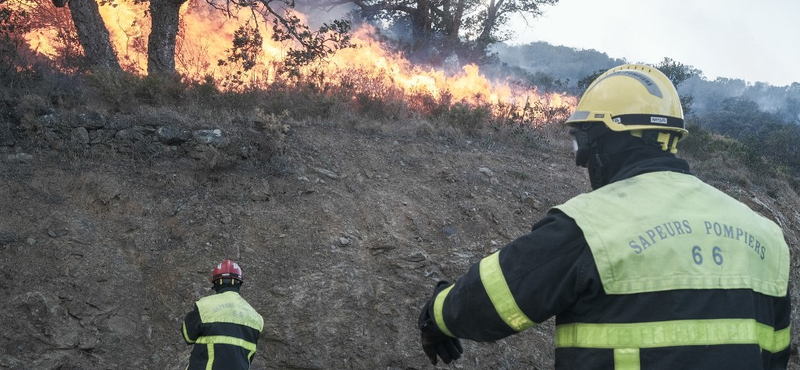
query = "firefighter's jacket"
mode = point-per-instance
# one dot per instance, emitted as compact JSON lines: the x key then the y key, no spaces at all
{"x":655,"y":271}
{"x":224,"y":329}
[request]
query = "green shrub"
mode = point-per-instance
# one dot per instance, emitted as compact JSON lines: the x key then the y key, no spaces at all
{"x":124,"y":90}
{"x":113,"y":89}
{"x":467,"y":118}
{"x":159,"y":90}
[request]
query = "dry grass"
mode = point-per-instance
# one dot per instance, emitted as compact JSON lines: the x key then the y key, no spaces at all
{"x":372,"y":107}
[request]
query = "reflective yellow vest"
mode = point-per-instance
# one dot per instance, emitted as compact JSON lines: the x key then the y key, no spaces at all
{"x":230,"y":317}
{"x":665,"y":231}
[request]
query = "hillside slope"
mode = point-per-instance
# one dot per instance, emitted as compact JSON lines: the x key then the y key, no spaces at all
{"x":105,"y":246}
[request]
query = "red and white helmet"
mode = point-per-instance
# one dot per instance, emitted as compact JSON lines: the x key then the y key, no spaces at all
{"x":227,"y":269}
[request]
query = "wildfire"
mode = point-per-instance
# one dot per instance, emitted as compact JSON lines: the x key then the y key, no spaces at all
{"x":40,"y":41}
{"x":205,"y":37}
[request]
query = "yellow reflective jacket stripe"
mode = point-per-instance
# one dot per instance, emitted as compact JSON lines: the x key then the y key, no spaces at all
{"x":626,"y":359}
{"x":494,"y":282}
{"x":186,"y":334}
{"x":673,"y":333}
{"x":438,"y":314}
{"x":222,"y":339}
{"x":211,"y":354}
{"x":496,"y":287}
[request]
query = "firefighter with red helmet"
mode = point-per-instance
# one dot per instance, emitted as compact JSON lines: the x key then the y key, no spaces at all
{"x":652,"y":270}
{"x":223,"y":327}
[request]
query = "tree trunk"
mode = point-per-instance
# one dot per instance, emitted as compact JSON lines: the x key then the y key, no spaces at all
{"x":452,"y":17}
{"x":486,"y":37}
{"x":163,"y":31}
{"x":421,"y":23}
{"x":93,"y":35}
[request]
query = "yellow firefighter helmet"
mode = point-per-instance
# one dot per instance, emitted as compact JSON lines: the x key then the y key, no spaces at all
{"x":635,"y":98}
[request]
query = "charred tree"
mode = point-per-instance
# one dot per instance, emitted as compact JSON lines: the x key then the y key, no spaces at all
{"x":421,"y":24}
{"x":475,"y":24}
{"x":93,"y":36}
{"x":165,"y":17}
{"x":314,"y":45}
{"x":452,"y":18}
{"x":496,"y":13}
{"x":490,"y":24}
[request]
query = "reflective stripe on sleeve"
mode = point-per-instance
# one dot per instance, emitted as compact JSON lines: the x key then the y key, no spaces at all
{"x":186,"y":334}
{"x":496,"y":287}
{"x":438,"y":314}
{"x":221,"y":339}
{"x":672,"y":334}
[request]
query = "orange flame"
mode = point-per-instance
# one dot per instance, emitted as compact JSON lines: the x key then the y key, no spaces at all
{"x":205,"y":37}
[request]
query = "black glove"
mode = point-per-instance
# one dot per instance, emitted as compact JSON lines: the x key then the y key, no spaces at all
{"x":434,"y":342}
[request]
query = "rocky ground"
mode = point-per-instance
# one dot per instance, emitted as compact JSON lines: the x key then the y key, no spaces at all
{"x":111,"y":226}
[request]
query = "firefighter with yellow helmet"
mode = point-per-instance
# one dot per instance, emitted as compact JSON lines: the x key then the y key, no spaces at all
{"x":653,"y":269}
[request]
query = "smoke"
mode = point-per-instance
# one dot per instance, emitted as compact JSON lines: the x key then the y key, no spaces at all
{"x":558,"y":62}
{"x":317,"y":15}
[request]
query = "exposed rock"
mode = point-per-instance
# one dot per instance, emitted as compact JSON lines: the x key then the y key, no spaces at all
{"x":7,"y":237}
{"x":57,"y":233}
{"x":211,"y":137}
{"x":52,"y":139}
{"x":133,"y":134}
{"x":532,"y":202}
{"x":79,"y":137}
{"x":101,"y":136}
{"x":19,"y":157}
{"x":173,"y":135}
{"x":122,"y":121}
{"x":48,"y":120}
{"x":327,"y":173}
{"x":90,"y":120}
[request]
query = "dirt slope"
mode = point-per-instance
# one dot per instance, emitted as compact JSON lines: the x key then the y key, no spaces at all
{"x":104,"y":248}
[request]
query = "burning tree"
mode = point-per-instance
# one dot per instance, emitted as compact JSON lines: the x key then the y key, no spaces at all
{"x":92,"y":34}
{"x":230,"y":47}
{"x":286,"y":26}
{"x":165,"y":18}
{"x":51,"y":32}
{"x":467,"y":27}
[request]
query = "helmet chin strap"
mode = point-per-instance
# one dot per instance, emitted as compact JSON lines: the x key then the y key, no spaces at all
{"x":597,"y":174}
{"x":601,"y":168}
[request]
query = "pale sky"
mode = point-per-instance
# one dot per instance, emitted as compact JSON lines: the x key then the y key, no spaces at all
{"x":746,"y":39}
